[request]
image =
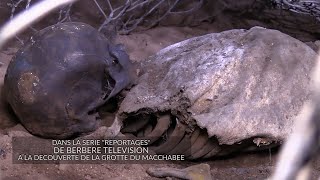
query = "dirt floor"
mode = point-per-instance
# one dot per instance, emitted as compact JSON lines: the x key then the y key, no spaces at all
{"x":139,"y":46}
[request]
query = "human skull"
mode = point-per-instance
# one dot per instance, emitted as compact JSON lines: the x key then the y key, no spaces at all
{"x":58,"y":79}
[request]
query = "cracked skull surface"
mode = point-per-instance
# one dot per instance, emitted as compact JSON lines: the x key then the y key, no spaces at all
{"x":221,"y":92}
{"x":56,"y":81}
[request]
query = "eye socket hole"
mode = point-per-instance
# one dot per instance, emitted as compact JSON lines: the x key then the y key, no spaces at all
{"x":115,"y":61}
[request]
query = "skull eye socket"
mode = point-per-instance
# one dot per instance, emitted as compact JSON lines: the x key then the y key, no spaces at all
{"x":115,"y":61}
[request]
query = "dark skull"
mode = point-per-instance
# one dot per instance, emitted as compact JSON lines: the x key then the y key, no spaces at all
{"x":57,"y":80}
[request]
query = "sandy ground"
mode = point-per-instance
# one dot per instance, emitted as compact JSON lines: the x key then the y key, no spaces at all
{"x":139,"y":46}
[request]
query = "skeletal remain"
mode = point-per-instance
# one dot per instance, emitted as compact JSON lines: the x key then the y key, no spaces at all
{"x":176,"y":136}
{"x":159,"y":129}
{"x":170,"y":136}
{"x":200,"y":171}
{"x":59,"y":48}
{"x":208,"y":96}
{"x":303,"y":143}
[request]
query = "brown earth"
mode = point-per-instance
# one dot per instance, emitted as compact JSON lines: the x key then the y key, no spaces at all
{"x":139,"y":45}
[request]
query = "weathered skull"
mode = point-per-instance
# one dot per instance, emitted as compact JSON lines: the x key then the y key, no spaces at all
{"x":210,"y":95}
{"x":56,"y":81}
